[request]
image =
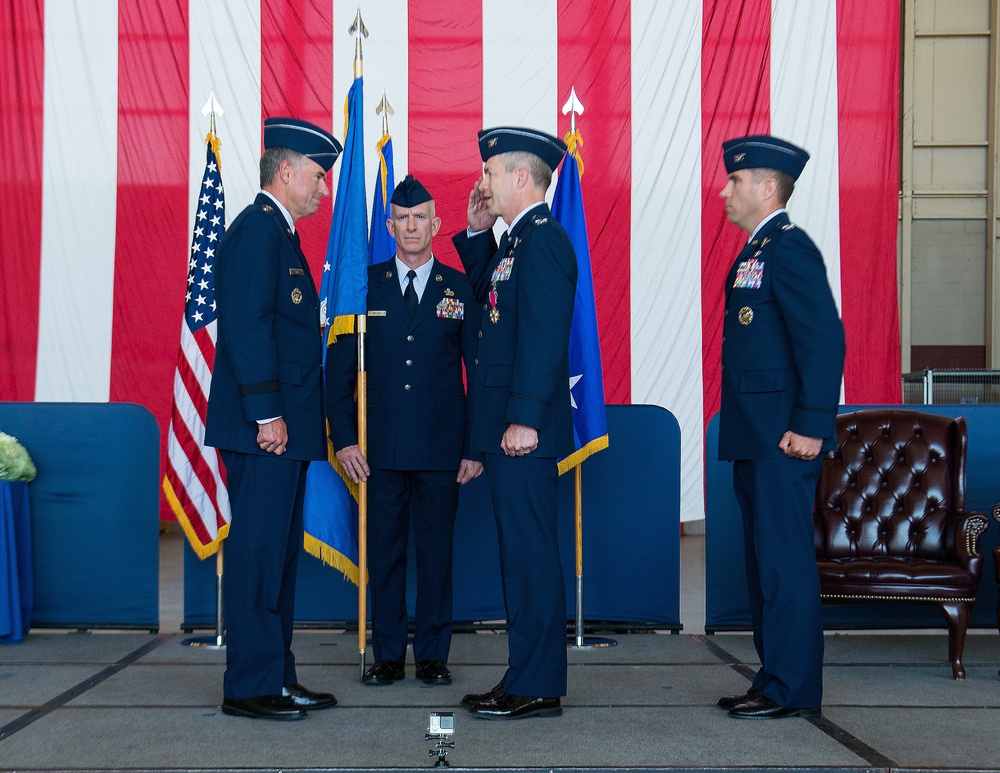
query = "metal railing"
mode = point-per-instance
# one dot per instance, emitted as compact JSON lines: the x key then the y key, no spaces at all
{"x":951,"y":387}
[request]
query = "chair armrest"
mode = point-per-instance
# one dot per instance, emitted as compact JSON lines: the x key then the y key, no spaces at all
{"x":966,"y":530}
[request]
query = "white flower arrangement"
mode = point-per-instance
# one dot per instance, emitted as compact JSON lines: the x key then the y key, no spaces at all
{"x":15,"y":464}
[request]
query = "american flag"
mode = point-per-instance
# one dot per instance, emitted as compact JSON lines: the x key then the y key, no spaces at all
{"x":91,"y":285}
{"x":194,"y":485}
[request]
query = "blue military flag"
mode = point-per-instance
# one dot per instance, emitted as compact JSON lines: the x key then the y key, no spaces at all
{"x":383,"y":246}
{"x":330,"y":514}
{"x":586,"y":382}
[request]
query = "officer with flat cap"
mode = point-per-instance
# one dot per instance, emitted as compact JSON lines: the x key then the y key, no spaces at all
{"x":265,"y":414}
{"x":521,"y":405}
{"x":782,"y":362}
{"x":423,"y":324}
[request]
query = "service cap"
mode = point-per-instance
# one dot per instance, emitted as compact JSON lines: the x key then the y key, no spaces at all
{"x":303,"y":137}
{"x":762,"y":151}
{"x":507,"y":139}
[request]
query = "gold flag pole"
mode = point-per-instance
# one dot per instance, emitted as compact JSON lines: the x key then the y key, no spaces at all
{"x":574,"y":107}
{"x":218,"y":642}
{"x":359,"y":31}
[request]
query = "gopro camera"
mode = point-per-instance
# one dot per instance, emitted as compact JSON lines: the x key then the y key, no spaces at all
{"x":441,"y":723}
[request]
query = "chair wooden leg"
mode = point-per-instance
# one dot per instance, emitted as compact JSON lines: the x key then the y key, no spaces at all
{"x":958,"y":614}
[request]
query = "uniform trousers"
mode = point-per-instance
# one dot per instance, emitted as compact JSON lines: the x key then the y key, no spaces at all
{"x":430,"y":499}
{"x":261,"y":559}
{"x":523,"y":490}
{"x":776,"y":497}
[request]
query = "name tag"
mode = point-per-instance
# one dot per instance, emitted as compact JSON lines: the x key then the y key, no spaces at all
{"x":296,"y":272}
{"x":374,"y":313}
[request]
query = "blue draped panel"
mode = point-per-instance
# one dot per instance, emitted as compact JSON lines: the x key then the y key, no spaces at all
{"x":94,"y":512}
{"x":726,"y":603}
{"x":17,"y":587}
{"x":631,"y":540}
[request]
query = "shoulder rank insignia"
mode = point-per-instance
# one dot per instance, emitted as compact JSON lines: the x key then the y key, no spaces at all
{"x":540,"y":220}
{"x":749,"y":275}
{"x":268,"y":208}
{"x":788,"y":227}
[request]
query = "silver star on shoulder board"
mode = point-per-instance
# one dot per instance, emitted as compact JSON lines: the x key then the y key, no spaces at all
{"x":573,"y":381}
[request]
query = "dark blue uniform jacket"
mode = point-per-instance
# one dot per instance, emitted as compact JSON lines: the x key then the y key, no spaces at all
{"x":782,"y":345}
{"x":526,"y":291}
{"x":417,"y":417}
{"x":268,"y":359}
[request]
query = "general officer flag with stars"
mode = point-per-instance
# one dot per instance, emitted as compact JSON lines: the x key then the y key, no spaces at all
{"x":586,"y":382}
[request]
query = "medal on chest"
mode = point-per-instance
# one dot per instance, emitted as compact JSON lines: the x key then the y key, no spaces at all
{"x":494,"y":297}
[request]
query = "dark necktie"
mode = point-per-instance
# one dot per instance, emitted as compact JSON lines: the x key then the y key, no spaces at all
{"x":410,"y":294}
{"x":504,"y":242}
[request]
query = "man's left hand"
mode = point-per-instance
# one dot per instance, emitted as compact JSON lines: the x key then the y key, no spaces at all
{"x":468,"y":470}
{"x":519,"y":440}
{"x":800,"y":447}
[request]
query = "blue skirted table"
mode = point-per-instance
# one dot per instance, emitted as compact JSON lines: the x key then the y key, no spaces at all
{"x":17,"y":587}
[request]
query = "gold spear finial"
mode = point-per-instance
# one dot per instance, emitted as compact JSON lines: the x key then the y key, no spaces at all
{"x":385,"y":110}
{"x":359,"y":31}
{"x":574,"y":107}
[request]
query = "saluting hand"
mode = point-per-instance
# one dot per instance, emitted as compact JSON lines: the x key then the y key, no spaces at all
{"x":480,"y":218}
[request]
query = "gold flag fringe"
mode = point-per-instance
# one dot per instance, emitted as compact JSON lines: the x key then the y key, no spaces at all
{"x":574,"y":141}
{"x":575,"y":458}
{"x":202,"y":551}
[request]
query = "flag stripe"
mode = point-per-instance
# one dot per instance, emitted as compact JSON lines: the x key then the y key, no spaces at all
{"x":804,"y":111}
{"x":21,"y":68}
{"x":665,"y":287}
{"x":868,"y":83}
{"x":79,"y":161}
{"x":446,"y":107}
{"x":735,"y":101}
{"x":297,"y":58}
{"x":150,"y":231}
{"x":595,"y":57}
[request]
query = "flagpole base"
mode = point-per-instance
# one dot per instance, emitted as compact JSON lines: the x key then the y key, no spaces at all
{"x":206,"y":642}
{"x":589,"y":642}
{"x":362,"y":658}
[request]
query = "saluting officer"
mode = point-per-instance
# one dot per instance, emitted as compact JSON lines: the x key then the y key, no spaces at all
{"x":422,"y":326}
{"x":265,"y":414}
{"x":782,"y":362}
{"x":521,"y":405}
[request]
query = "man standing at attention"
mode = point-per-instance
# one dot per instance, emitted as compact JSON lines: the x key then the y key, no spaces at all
{"x":782,"y":362}
{"x":521,"y":419}
{"x":265,"y":414}
{"x":422,"y":325}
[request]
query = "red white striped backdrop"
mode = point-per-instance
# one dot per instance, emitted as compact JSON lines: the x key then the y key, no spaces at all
{"x":102,"y":132}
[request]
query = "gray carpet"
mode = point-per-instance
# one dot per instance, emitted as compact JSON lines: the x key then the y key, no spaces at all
{"x":127,"y":701}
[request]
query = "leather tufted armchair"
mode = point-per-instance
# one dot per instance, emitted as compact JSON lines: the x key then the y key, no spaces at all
{"x":890,"y":520}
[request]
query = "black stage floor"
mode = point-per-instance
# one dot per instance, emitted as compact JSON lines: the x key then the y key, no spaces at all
{"x":126,"y":701}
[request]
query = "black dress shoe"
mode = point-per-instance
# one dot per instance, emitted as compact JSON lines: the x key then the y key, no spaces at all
{"x":305,"y":698}
{"x":507,"y":706}
{"x":433,"y":672}
{"x":263,"y":707}
{"x":763,"y":707}
{"x":473,"y":698}
{"x":729,"y":701}
{"x":384,"y":672}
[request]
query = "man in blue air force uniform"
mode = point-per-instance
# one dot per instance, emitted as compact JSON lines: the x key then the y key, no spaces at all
{"x":265,"y":414}
{"x":782,"y":361}
{"x":521,"y":405}
{"x":422,"y":325}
